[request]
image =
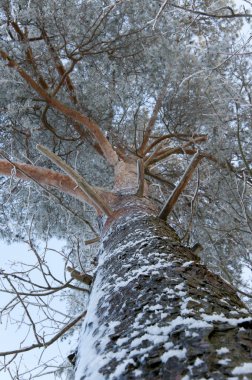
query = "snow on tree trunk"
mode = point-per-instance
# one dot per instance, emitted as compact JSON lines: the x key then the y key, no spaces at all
{"x":156,"y":313}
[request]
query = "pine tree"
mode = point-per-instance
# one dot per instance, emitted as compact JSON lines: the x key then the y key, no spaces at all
{"x":136,"y":104}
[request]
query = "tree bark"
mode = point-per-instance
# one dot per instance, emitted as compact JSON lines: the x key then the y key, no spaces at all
{"x":155,"y":312}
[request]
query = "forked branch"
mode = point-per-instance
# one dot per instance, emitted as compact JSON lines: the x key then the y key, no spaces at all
{"x":154,"y":116}
{"x":78,"y":179}
{"x":45,"y":177}
{"x":181,"y":186}
{"x":106,"y":147}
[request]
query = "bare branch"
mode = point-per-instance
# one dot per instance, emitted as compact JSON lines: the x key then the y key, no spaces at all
{"x":38,"y":338}
{"x":88,"y":190}
{"x":49,"y":342}
{"x":180,"y":187}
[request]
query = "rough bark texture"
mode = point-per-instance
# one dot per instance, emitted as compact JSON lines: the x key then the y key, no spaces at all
{"x":156,"y":313}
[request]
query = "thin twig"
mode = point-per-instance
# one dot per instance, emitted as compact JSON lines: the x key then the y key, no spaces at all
{"x":49,"y":342}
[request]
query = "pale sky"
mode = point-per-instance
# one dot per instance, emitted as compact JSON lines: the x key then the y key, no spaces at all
{"x":12,"y":334}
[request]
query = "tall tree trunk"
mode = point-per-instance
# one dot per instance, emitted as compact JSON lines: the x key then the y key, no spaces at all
{"x":155,"y":312}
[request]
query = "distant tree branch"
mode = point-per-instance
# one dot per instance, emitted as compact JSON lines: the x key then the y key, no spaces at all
{"x":180,"y":187}
{"x":88,"y":190}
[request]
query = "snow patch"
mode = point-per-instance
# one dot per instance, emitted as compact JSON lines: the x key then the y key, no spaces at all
{"x":221,"y":318}
{"x":184,"y":304}
{"x":120,"y":369}
{"x":198,"y":362}
{"x":224,"y":361}
{"x":244,"y":369}
{"x":187,"y":264}
{"x":180,"y":286}
{"x":223,"y":350}
{"x":180,"y":354}
{"x":155,"y":307}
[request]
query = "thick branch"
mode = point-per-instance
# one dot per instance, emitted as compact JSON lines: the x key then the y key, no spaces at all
{"x":106,"y":147}
{"x":46,"y":177}
{"x":180,"y":187}
{"x":88,"y":190}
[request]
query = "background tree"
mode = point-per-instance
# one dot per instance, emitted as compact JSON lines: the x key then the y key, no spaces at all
{"x":110,"y":87}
